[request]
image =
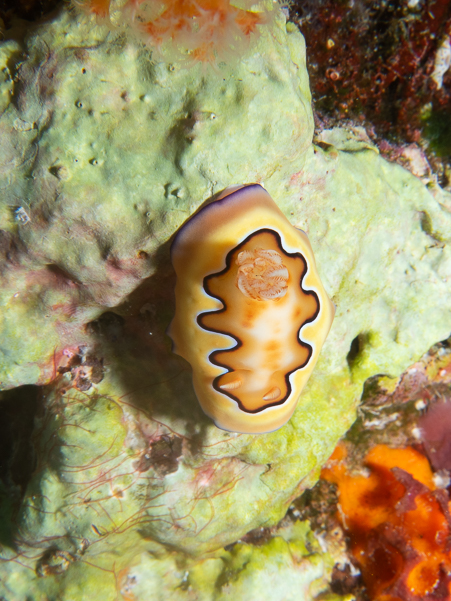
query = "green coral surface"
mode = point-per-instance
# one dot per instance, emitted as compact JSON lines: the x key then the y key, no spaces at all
{"x":104,"y":155}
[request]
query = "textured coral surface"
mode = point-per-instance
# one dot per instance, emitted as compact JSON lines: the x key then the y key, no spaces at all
{"x":104,"y":154}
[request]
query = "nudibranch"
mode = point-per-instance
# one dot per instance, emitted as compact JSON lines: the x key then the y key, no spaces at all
{"x":251,"y":312}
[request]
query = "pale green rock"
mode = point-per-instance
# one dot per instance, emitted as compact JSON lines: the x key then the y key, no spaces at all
{"x":103,"y":155}
{"x":8,"y":50}
{"x":291,"y":565}
{"x":351,"y":139}
{"x":121,"y":465}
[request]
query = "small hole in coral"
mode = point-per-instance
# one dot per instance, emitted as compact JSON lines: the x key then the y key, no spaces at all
{"x":109,"y":326}
{"x":83,"y":70}
{"x":54,"y":170}
{"x":79,"y":104}
{"x":356,"y":350}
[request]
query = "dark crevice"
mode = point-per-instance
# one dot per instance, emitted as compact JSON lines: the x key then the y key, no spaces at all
{"x":18,"y":408}
{"x":17,"y":412}
{"x":353,"y":351}
{"x":109,"y":326}
{"x":356,"y":349}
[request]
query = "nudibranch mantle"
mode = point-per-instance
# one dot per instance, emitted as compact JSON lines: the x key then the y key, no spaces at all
{"x":251,"y":312}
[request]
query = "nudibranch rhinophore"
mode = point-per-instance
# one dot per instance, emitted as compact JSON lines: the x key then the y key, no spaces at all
{"x":251,"y":312}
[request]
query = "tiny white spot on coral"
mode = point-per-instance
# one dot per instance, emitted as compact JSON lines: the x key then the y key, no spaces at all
{"x":441,"y":479}
{"x":21,"y":215}
{"x":380,"y":424}
{"x":416,"y":433}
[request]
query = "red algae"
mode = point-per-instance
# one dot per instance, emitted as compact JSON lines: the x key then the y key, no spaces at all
{"x":375,"y":60}
{"x":397,"y":522}
{"x":383,"y":65}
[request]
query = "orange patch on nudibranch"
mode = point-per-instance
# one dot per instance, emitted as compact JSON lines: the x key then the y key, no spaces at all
{"x":261,"y":274}
{"x":251,"y":312}
{"x":397,"y":524}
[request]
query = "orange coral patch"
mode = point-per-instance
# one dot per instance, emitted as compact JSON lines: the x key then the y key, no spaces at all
{"x":247,"y":21}
{"x":99,"y":8}
{"x":407,"y":459}
{"x":203,"y":27}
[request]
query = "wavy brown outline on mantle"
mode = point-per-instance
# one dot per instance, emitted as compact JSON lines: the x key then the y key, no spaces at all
{"x":239,"y":343}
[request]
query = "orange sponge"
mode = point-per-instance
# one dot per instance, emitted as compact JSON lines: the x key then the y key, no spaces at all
{"x":398,"y":524}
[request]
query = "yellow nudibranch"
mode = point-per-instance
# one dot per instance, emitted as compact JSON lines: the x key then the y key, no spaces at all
{"x":251,"y":312}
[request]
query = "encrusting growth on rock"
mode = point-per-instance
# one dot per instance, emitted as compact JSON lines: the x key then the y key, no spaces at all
{"x":206,"y":31}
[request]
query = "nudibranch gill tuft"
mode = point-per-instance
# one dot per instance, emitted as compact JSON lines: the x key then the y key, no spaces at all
{"x":251,"y":312}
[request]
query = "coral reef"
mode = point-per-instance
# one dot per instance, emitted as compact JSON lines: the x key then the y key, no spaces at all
{"x":105,"y":153}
